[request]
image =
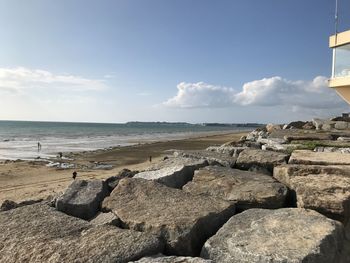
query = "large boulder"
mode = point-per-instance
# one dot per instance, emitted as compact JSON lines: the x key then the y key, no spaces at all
{"x":283,"y":172}
{"x":173,"y":172}
{"x":295,"y":125}
{"x":309,"y":137}
{"x":172,"y":259}
{"x":82,"y":198}
{"x":183,"y":220}
{"x":341,"y":125}
{"x":318,"y":123}
{"x":250,"y":158}
{"x":324,"y":192}
{"x":113,"y":181}
{"x":257,"y":133}
{"x":213,"y":158}
{"x":321,"y":158}
{"x":284,"y":235}
{"x":39,"y":233}
{"x":272,"y":127}
{"x":247,"y":189}
{"x":226,"y":149}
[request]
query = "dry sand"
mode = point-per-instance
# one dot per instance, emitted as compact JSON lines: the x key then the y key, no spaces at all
{"x":23,"y":180}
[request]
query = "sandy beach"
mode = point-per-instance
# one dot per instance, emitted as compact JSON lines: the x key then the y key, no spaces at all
{"x":23,"y":180}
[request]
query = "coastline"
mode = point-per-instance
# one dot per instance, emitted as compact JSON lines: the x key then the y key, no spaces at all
{"x":23,"y":180}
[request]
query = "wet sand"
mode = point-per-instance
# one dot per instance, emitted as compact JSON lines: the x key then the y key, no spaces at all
{"x":23,"y":180}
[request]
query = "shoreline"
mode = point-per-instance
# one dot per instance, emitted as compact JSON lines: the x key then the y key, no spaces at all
{"x":47,"y":155}
{"x":23,"y":180}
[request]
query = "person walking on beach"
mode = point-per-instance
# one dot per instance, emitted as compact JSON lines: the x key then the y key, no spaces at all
{"x":39,"y":146}
{"x":150,"y":158}
{"x":75,"y":175}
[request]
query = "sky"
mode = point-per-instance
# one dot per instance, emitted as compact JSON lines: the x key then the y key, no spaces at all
{"x":168,"y":60}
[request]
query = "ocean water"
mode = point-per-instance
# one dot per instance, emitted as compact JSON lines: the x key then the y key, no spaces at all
{"x":19,"y":139}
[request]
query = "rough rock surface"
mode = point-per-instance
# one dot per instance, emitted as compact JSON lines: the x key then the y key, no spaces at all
{"x":326,"y":193}
{"x":112,"y":181}
{"x":82,"y":198}
{"x":105,"y":219}
{"x":271,"y":127}
{"x":321,"y":158}
{"x":282,"y":172}
{"x":341,"y":125}
{"x":309,"y":137}
{"x":172,"y":259}
{"x":226,"y":149}
{"x":282,"y":235}
{"x":39,"y":233}
{"x":9,"y":204}
{"x":183,"y":220}
{"x":213,"y":158}
{"x":295,"y":125}
{"x":266,"y":159}
{"x":332,"y":149}
{"x":257,"y":133}
{"x":247,"y":189}
{"x":173,"y":172}
{"x":323,"y":143}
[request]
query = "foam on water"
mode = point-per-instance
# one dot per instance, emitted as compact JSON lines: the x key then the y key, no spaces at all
{"x":19,"y":140}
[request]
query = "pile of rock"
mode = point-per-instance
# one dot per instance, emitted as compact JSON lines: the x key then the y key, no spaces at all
{"x":266,"y":198}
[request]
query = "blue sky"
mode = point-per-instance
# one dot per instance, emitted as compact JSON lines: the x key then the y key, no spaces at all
{"x":183,"y":60}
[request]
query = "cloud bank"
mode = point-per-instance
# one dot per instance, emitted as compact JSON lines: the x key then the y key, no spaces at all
{"x":274,"y":91}
{"x":20,"y":79}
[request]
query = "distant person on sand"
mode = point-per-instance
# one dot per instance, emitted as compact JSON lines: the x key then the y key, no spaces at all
{"x":150,"y":159}
{"x":39,"y":146}
{"x":75,"y":175}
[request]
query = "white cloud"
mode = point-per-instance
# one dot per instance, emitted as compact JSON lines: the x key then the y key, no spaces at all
{"x":274,"y":91}
{"x":201,"y":95}
{"x":20,"y":79}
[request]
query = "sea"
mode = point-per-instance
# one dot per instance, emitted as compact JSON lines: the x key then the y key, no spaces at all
{"x":19,"y":139}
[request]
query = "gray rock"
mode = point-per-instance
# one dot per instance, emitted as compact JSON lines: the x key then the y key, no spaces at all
{"x":309,"y":126}
{"x":272,"y":127}
{"x":284,"y":148}
{"x":247,"y":189}
{"x":183,"y":220}
{"x":39,"y":233}
{"x":308,"y":137}
{"x":213,"y":158}
{"x":332,"y":149}
{"x":320,"y":158}
{"x":288,"y":170}
{"x":318,"y":123}
{"x":286,"y":235}
{"x":296,"y":125}
{"x":112,"y":181}
{"x":173,"y":172}
{"x":9,"y":204}
{"x":226,"y":149}
{"x":172,"y":259}
{"x":258,"y":133}
{"x":324,"y":192}
{"x":341,"y":125}
{"x":82,"y":198}
{"x":346,"y":139}
{"x":271,"y":141}
{"x":105,"y":219}
{"x":266,"y":159}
